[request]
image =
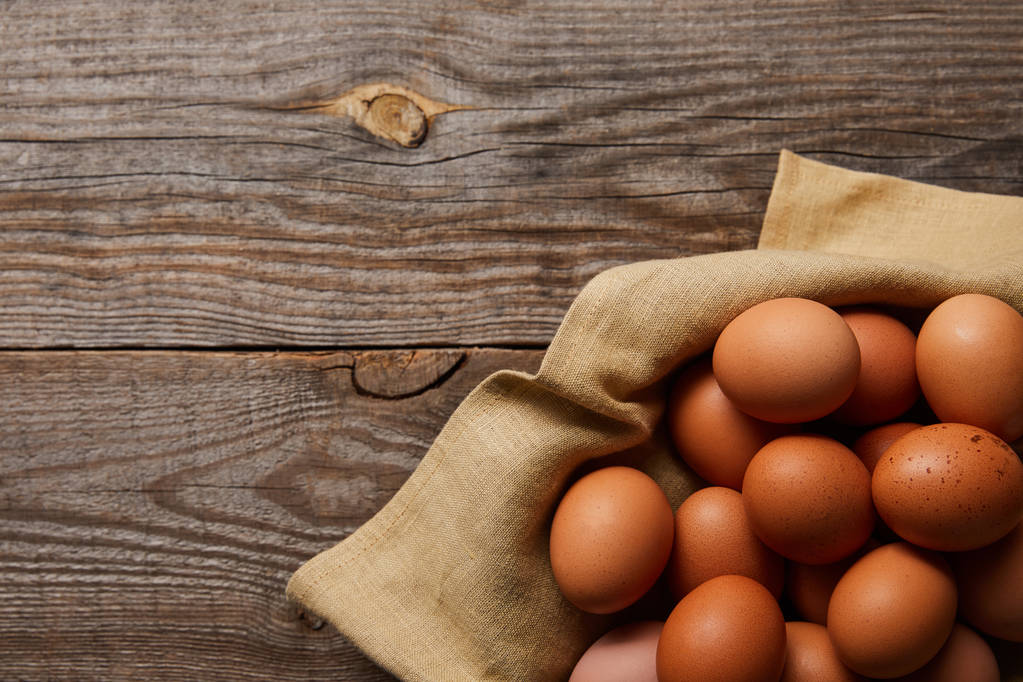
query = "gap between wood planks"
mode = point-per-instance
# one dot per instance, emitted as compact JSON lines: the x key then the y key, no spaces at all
{"x":265,"y":348}
{"x":377,"y":373}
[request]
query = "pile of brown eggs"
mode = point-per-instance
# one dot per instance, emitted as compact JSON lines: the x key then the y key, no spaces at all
{"x":876,"y":538}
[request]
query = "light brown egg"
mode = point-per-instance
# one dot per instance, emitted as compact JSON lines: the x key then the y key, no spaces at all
{"x":990,"y":583}
{"x":969,"y":360}
{"x":808,"y":498}
{"x":949,"y":487}
{"x":871,"y":445}
{"x":610,"y":539}
{"x":713,"y":436}
{"x":887,"y":385}
{"x":809,"y":587}
{"x":892,"y":610}
{"x":965,"y":657}
{"x":713,"y":537}
{"x":810,"y":656}
{"x":787,"y":360}
{"x":626,"y":653}
{"x":729,"y":629}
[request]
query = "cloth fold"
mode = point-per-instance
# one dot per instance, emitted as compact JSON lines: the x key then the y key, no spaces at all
{"x":451,"y":580}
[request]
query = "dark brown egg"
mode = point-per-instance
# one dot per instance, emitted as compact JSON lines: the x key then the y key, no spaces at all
{"x":990,"y":583}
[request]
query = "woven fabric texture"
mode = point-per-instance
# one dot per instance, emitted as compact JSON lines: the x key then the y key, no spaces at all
{"x":451,"y":580}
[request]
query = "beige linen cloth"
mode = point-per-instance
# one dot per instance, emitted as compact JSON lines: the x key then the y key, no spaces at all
{"x":451,"y":579}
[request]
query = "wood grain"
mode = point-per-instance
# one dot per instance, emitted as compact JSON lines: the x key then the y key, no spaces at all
{"x":153,"y":505}
{"x":164,"y":181}
{"x":172,"y":176}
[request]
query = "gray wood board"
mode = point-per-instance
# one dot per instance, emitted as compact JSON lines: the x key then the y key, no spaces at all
{"x":153,"y":505}
{"x":168,"y":177}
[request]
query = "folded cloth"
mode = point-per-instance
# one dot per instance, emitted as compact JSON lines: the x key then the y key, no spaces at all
{"x":451,"y":580}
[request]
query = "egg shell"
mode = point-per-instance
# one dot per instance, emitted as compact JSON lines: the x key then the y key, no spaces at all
{"x":949,"y":487}
{"x":892,"y":610}
{"x":969,"y":360}
{"x":810,"y":656}
{"x":729,"y":629}
{"x":713,"y":537}
{"x":886,"y":386}
{"x":787,"y":360}
{"x":965,"y":656}
{"x":610,"y":539}
{"x":628,"y":652}
{"x":809,"y":587}
{"x":990,"y":583}
{"x":713,"y":436}
{"x":808,"y":498}
{"x":871,"y":445}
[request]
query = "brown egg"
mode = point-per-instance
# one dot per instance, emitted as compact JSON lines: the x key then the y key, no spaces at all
{"x":626,"y":653}
{"x":871,"y":445}
{"x":965,"y":656}
{"x":787,"y":360}
{"x":729,"y":629}
{"x":969,"y":359}
{"x":714,"y":437}
{"x":713,"y":537}
{"x":990,"y":583}
{"x":949,"y":487}
{"x":892,"y":610}
{"x":610,"y":539}
{"x":809,"y":587}
{"x":808,"y":498}
{"x":810,"y":656}
{"x":887,"y":385}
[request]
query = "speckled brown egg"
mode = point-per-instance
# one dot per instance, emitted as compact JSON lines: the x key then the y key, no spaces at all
{"x":969,"y":359}
{"x":949,"y":487}
{"x":966,"y":657}
{"x":809,"y":587}
{"x":808,"y":498}
{"x":713,"y":537}
{"x":990,"y":583}
{"x":810,"y":656}
{"x":628,"y":652}
{"x":787,"y":360}
{"x":610,"y":538}
{"x":892,"y":610}
{"x":713,"y":436}
{"x":886,"y":386}
{"x":871,"y":445}
{"x":729,"y":629}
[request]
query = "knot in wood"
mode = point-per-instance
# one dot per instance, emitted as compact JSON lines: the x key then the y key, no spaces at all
{"x":398,"y":118}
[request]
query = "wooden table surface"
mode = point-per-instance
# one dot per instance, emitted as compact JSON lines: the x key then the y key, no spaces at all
{"x":253,"y":254}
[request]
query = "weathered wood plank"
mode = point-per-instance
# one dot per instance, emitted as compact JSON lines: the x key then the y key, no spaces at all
{"x":153,"y":505}
{"x":165,"y":183}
